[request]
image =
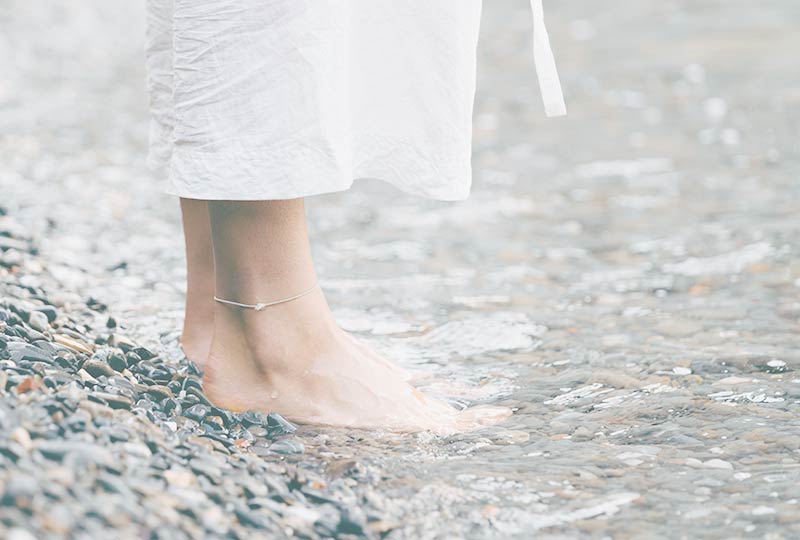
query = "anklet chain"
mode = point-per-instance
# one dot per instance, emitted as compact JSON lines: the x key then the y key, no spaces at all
{"x":264,"y":305}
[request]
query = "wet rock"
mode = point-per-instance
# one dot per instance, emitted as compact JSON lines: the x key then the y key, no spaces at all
{"x":12,"y":450}
{"x":117,"y":340}
{"x":24,"y":351}
{"x":344,"y":467}
{"x":510,"y":437}
{"x":197,"y":412}
{"x":287,"y":446}
{"x":97,"y":369}
{"x":253,"y":487}
{"x":353,"y":521}
{"x":255,"y":519}
{"x":39,"y":321}
{"x":143,"y":353}
{"x":48,"y":311}
{"x":158,"y":391}
{"x":254,"y":418}
{"x":114,"y":401}
{"x":117,"y":362}
{"x":19,"y":490}
{"x":277,"y":425}
{"x":718,"y":464}
{"x":59,"y":449}
{"x":207,"y":469}
{"x":132,"y":358}
{"x":116,"y":434}
{"x":258,"y":431}
{"x":172,"y":407}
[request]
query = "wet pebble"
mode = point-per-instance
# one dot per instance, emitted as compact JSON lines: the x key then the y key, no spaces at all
{"x":197,"y":412}
{"x":287,"y":446}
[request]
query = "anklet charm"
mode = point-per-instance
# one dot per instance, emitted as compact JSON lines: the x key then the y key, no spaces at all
{"x":263,"y":305}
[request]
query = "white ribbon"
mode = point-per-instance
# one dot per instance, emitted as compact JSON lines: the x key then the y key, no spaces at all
{"x":549,"y":84}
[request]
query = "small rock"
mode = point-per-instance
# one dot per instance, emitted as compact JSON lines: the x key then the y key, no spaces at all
{"x":24,"y":351}
{"x":762,"y":511}
{"x":38,"y":321}
{"x":278,"y":425}
{"x":143,"y":353}
{"x":72,"y":343}
{"x":180,"y":477}
{"x":353,"y":521}
{"x":159,"y":391}
{"x":117,"y":362}
{"x":96,"y":368}
{"x":21,"y":436}
{"x":718,"y":464}
{"x":343,"y":467}
{"x":254,"y":418}
{"x":59,"y":449}
{"x":207,"y":469}
{"x":12,"y":451}
{"x":18,"y":533}
{"x":254,"y":488}
{"x":49,"y":312}
{"x":510,"y":436}
{"x":19,"y":489}
{"x":251,"y":518}
{"x":114,"y":401}
{"x":197,"y":412}
{"x":122,"y":342}
{"x":287,"y":446}
{"x":29,"y":384}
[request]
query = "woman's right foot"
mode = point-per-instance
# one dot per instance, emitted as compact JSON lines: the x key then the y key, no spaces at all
{"x":198,"y":325}
{"x":294,"y":360}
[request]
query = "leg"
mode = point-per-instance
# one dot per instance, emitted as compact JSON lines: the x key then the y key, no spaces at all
{"x":198,"y":323}
{"x":292,"y":358}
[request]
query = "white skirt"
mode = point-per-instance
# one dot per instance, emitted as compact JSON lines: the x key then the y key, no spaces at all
{"x":277,"y":99}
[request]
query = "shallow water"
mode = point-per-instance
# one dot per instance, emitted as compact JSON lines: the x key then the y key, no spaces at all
{"x":626,"y":277}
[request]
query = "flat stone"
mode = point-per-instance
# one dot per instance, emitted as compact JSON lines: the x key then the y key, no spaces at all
{"x":59,"y":449}
{"x":72,"y":343}
{"x":115,"y":401}
{"x":287,"y":446}
{"x":96,"y":368}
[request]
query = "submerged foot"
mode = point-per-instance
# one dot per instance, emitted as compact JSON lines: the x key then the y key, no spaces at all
{"x":294,"y":360}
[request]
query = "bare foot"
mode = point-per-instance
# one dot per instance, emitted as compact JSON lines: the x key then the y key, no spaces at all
{"x":196,"y":345}
{"x":198,"y":323}
{"x":294,"y":360}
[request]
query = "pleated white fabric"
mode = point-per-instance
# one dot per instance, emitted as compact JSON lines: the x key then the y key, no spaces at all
{"x":277,"y":99}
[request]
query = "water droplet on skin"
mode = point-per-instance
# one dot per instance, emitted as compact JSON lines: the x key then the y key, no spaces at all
{"x":274,"y":395}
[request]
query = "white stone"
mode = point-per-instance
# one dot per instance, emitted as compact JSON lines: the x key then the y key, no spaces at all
{"x":717,"y":464}
{"x":762,"y":510}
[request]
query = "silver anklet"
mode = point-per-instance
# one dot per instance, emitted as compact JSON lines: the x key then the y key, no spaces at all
{"x":264,"y":305}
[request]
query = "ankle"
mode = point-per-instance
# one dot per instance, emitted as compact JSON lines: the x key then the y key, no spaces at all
{"x":279,"y":341}
{"x":251,"y":289}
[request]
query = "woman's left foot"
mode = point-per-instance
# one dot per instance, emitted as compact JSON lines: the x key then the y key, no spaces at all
{"x":294,"y":360}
